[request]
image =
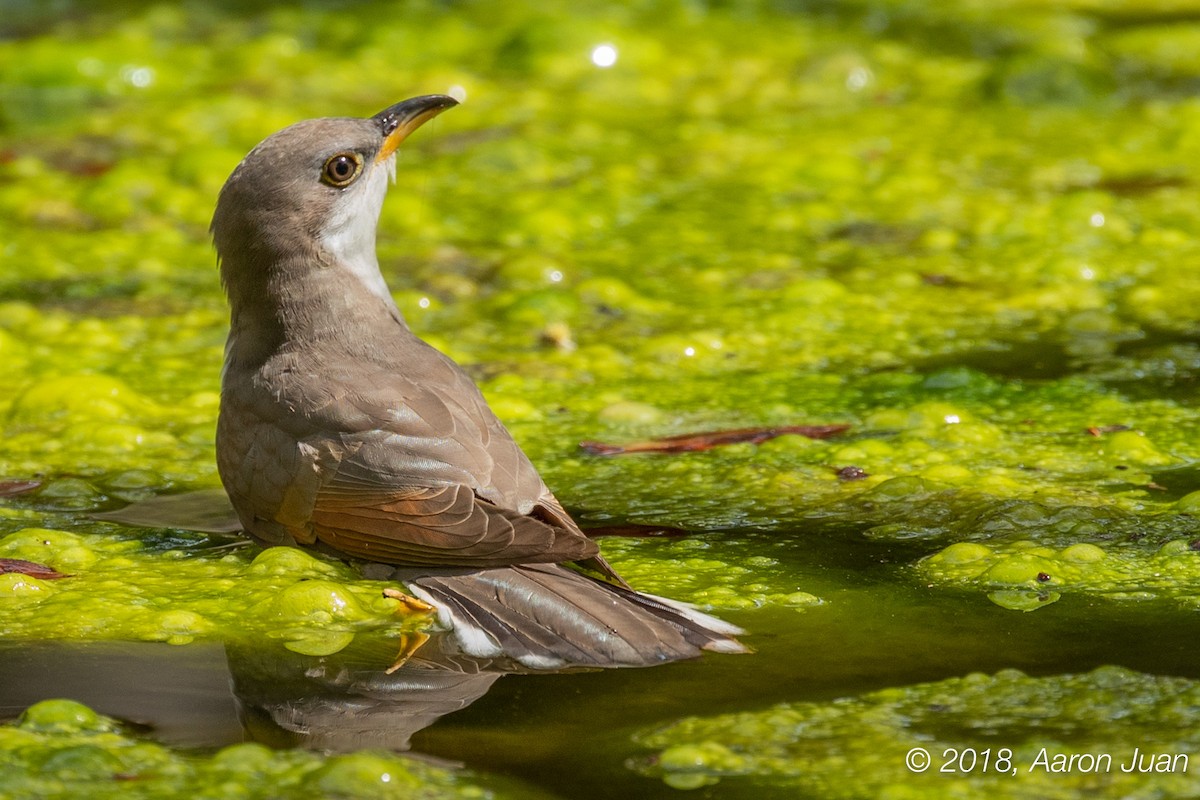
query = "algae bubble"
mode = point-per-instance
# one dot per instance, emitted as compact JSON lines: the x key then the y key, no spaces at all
{"x":1018,"y":573}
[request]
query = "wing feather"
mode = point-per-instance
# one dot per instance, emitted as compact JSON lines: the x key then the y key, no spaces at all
{"x":446,"y":525}
{"x":382,"y":466}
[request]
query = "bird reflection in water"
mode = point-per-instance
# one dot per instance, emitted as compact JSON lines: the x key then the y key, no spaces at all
{"x":346,"y":701}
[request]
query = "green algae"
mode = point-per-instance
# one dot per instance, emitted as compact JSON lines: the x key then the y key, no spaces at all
{"x":118,"y":587}
{"x":963,"y":228}
{"x":62,"y":749}
{"x":717,"y":327}
{"x":1024,"y":570}
{"x":1013,"y":726}
{"x":713,"y":574}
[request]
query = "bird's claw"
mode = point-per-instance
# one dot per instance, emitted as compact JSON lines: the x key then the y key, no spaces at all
{"x":409,"y":602}
{"x":410,"y":643}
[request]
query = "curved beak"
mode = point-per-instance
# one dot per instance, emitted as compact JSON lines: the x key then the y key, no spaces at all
{"x":400,"y":120}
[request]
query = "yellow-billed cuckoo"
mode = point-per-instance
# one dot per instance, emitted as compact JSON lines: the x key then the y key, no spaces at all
{"x":341,"y":430}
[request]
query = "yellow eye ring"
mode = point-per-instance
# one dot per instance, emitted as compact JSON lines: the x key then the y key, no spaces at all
{"x":341,"y":170}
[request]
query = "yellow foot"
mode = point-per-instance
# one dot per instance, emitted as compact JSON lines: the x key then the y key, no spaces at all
{"x":410,"y":643}
{"x":410,"y":602}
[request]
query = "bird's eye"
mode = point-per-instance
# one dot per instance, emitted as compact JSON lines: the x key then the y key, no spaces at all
{"x":342,"y":169}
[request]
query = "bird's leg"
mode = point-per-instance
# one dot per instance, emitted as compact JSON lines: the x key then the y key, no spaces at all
{"x":414,"y":604}
{"x":410,"y":643}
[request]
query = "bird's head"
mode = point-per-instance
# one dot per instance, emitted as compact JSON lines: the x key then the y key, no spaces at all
{"x":311,"y":194}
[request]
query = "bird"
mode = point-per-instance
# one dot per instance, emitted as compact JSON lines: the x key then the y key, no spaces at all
{"x":342,"y":431}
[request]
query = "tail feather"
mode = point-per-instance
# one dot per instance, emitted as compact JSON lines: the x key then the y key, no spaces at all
{"x":500,"y":633}
{"x":547,"y":616}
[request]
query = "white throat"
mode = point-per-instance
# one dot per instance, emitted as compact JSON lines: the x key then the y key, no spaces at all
{"x":350,"y":234}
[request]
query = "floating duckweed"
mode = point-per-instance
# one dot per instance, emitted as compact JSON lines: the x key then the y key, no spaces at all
{"x":60,"y":550}
{"x":351,"y":773}
{"x":800,"y":600}
{"x":319,"y":600}
{"x":690,"y":766}
{"x":728,"y":582}
{"x":1083,"y":552}
{"x":947,"y":473}
{"x":248,"y":757}
{"x":856,"y":747}
{"x":887,"y":418}
{"x":89,"y":397}
{"x":288,"y":560}
{"x":1175,"y":548}
{"x":1020,"y":569}
{"x":73,"y":559}
{"x":133,"y":479}
{"x":962,"y":553}
{"x":514,"y":408}
{"x":897,"y":488}
{"x":62,"y":716}
{"x":1130,"y":572}
{"x":314,"y":641}
{"x":69,"y":489}
{"x":60,"y":749}
{"x":975,"y":434}
{"x":114,"y":589}
{"x":935,"y":416}
{"x":82,"y":763}
{"x":16,"y":584}
{"x":630,"y":412}
{"x":538,"y":308}
{"x":1136,"y":448}
{"x":119,"y":437}
{"x":182,"y":626}
{"x":686,"y":781}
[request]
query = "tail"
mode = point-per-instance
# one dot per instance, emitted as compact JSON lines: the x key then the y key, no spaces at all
{"x":546,"y":616}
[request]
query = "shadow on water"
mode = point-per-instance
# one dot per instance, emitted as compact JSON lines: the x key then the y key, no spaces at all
{"x":571,"y":734}
{"x":1033,"y":360}
{"x":177,"y":695}
{"x":1152,"y":364}
{"x":1178,"y":481}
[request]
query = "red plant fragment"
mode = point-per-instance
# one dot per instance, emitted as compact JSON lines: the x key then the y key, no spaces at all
{"x":30,"y":568}
{"x":695,"y":442}
{"x":15,"y":487}
{"x":1099,"y":430}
